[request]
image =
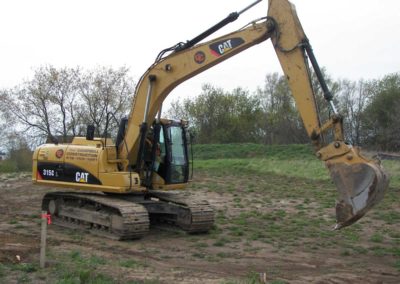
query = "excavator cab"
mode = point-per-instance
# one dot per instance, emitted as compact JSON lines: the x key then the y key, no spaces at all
{"x":166,"y":154}
{"x":173,"y":146}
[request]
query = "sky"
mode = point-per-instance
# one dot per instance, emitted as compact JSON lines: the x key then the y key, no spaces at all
{"x":352,"y":39}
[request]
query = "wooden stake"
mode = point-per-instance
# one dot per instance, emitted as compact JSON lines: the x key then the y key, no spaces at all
{"x":43,"y":240}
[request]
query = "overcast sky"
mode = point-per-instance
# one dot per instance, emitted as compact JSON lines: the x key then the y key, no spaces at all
{"x":352,"y":38}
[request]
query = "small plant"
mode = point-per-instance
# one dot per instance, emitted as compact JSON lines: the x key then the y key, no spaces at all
{"x":25,"y":267}
{"x":278,"y":282}
{"x":200,"y":245}
{"x":13,"y":222}
{"x":360,"y":250}
{"x":199,"y":255}
{"x":130,"y":263}
{"x":376,"y":238}
{"x":84,"y":276}
{"x":346,"y":253}
{"x":379,"y":251}
{"x":236,"y":231}
{"x":397,"y":265}
{"x":351,"y":235}
{"x":76,"y":255}
{"x":2,"y":270}
{"x":95,"y":260}
{"x":221,"y":242}
{"x":253,"y":278}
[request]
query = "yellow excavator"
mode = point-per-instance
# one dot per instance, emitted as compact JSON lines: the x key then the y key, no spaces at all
{"x":121,"y":186}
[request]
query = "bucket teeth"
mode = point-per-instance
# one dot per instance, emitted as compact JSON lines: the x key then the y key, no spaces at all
{"x":360,"y":186}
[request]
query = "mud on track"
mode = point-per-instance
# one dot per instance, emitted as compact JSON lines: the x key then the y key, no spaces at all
{"x":274,"y":225}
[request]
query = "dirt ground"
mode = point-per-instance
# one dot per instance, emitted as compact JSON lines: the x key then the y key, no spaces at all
{"x":228,"y":254}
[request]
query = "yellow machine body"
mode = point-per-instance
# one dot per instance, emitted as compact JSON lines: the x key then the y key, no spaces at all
{"x":100,"y":165}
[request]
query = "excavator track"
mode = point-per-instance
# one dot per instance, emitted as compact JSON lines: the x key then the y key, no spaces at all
{"x":101,"y":215}
{"x":191,"y":214}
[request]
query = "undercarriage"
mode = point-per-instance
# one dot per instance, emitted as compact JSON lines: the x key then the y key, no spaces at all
{"x":123,"y":217}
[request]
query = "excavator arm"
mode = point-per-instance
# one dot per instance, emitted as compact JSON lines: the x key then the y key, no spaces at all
{"x":360,"y":182}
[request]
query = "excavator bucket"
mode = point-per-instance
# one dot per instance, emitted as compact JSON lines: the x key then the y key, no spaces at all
{"x":361,"y":183}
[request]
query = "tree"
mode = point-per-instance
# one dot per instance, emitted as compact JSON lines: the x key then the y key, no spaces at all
{"x":19,"y":152}
{"x":4,"y":126}
{"x":61,"y":102}
{"x":353,"y":99}
{"x":281,"y":120}
{"x":221,"y":117}
{"x":105,"y":91}
{"x":63,"y":94}
{"x":382,"y":114}
{"x":30,"y":106}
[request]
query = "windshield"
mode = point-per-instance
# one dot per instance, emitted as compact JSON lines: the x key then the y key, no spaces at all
{"x":178,"y":157}
{"x":178,"y":153}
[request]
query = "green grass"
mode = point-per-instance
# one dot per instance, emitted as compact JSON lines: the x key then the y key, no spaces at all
{"x":2,"y":270}
{"x":249,"y":150}
{"x":313,"y":169}
{"x":390,"y":217}
{"x":291,"y":173}
{"x":25,"y":267}
{"x":221,"y":242}
{"x":377,"y":238}
{"x":22,"y":271}
{"x":84,"y":276}
{"x":8,"y":166}
{"x":76,"y":268}
{"x":291,"y":160}
{"x":393,"y":168}
{"x":287,"y":160}
{"x":13,"y":222}
{"x":72,"y":268}
{"x":131,"y":263}
{"x":397,"y":265}
{"x":254,"y":278}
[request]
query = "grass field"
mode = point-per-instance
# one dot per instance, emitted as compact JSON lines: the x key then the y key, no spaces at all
{"x":274,"y":215}
{"x":293,"y":174}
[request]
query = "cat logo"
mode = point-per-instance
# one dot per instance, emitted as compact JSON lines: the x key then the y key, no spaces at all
{"x":222,"y":47}
{"x":225,"y":46}
{"x":81,"y":177}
